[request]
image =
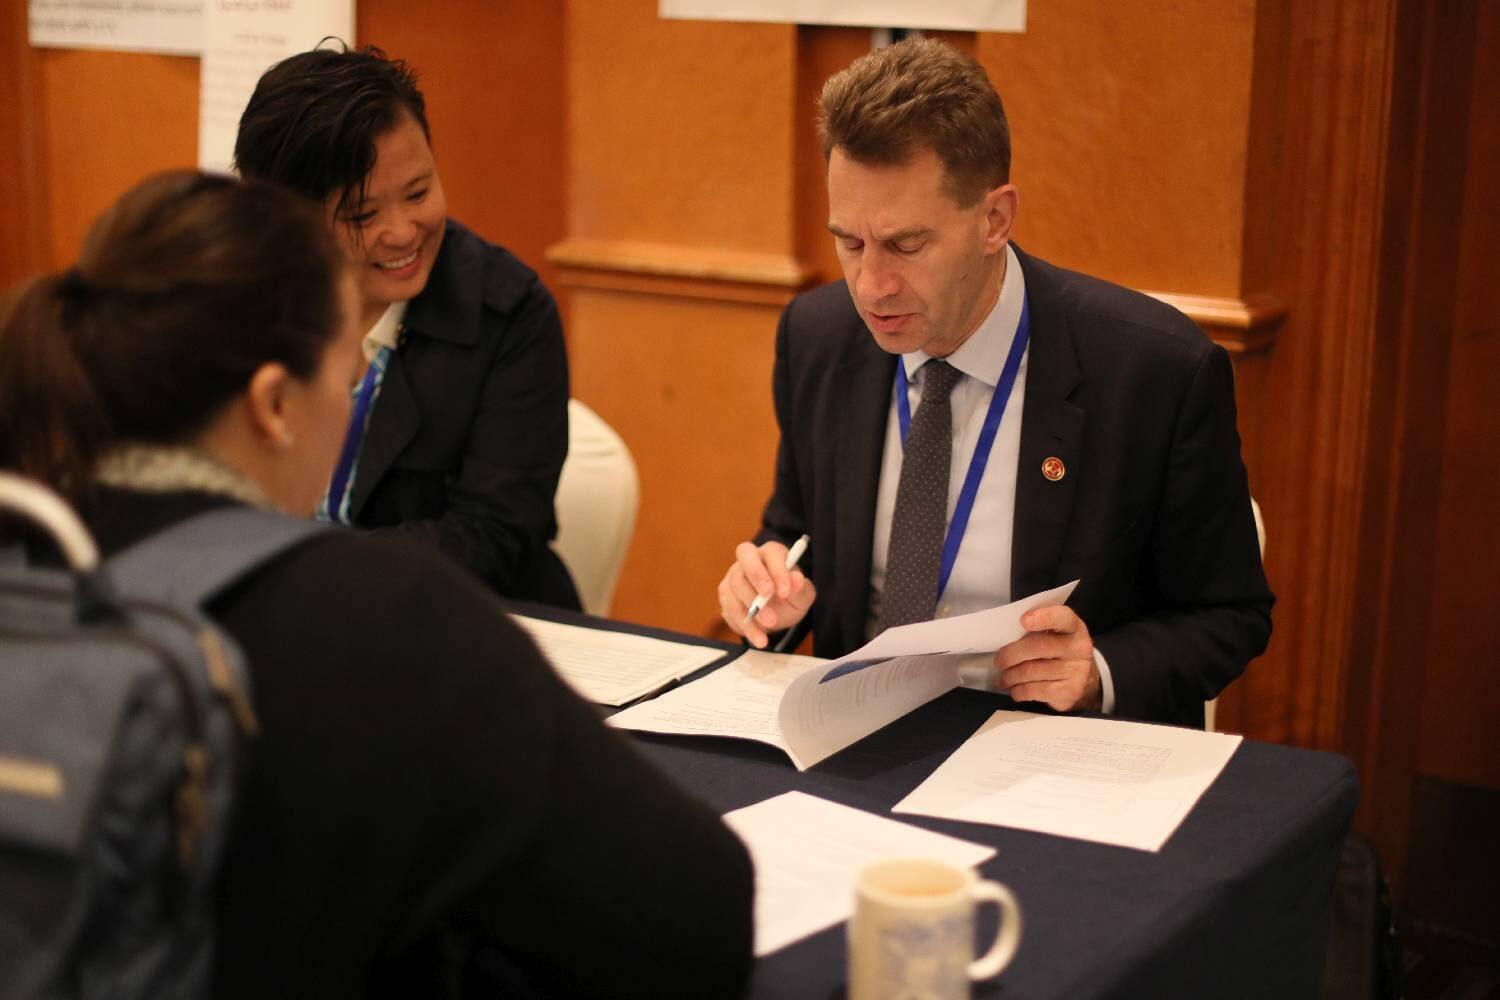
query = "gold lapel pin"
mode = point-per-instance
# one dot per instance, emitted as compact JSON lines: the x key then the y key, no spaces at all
{"x":1053,"y":469}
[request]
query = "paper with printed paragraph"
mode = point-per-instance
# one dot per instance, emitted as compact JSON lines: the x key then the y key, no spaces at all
{"x":1111,"y":782}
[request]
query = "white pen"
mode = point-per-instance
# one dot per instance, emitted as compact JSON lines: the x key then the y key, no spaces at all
{"x":793,"y":554}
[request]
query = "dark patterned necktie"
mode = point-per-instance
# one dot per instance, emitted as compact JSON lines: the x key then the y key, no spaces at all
{"x":921,"y":515}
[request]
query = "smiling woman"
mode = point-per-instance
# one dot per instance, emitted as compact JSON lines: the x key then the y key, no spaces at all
{"x":459,"y":426}
{"x":392,"y":229}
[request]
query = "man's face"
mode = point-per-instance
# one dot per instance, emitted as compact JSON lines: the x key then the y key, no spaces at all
{"x":923,"y":270}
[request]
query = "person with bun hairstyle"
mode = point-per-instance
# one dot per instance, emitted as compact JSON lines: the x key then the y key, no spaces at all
{"x":412,"y":821}
{"x":461,"y":418}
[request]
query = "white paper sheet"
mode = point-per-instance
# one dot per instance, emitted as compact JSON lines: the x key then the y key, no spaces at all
{"x":612,"y":668}
{"x":812,"y":709}
{"x":952,"y":15}
{"x":807,"y":852}
{"x":240,"y":42}
{"x":171,"y":26}
{"x":1104,"y":780}
{"x":979,"y":632}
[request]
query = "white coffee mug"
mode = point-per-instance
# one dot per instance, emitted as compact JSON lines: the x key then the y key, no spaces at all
{"x":912,"y":933}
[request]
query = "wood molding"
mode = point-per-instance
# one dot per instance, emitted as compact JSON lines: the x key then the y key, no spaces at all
{"x":1240,"y":326}
{"x":678,"y":271}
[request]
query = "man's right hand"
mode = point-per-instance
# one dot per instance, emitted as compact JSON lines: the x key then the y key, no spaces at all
{"x":763,"y":571}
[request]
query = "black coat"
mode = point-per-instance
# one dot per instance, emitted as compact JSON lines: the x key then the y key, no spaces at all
{"x":428,"y":803}
{"x":1152,"y":512}
{"x":469,"y":432}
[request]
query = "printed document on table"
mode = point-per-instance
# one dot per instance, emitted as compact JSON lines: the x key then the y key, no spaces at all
{"x":612,"y":668}
{"x":807,"y":852}
{"x":1104,"y":780}
{"x":812,"y":709}
{"x":740,"y":699}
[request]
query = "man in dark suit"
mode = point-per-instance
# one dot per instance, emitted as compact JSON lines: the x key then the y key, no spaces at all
{"x":1076,"y":429}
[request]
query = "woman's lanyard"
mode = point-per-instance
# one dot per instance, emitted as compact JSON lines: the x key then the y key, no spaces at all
{"x":336,"y":500}
{"x":981,"y":458}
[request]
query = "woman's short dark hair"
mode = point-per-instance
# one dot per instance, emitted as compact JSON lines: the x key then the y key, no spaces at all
{"x":185,"y":287}
{"x":312,"y":122}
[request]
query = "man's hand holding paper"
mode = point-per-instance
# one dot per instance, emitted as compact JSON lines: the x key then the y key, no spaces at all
{"x":1053,"y":663}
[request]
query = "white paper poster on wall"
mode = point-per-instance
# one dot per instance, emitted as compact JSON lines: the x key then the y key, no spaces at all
{"x":937,"y":15}
{"x":241,"y":40}
{"x":171,"y":26}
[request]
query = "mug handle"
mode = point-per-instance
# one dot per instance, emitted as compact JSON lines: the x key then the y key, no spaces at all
{"x":1009,"y":936}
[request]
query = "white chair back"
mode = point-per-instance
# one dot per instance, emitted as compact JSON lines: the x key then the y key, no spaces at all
{"x":597,"y":498}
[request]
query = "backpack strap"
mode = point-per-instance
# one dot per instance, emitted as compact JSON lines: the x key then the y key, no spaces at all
{"x":191,"y":562}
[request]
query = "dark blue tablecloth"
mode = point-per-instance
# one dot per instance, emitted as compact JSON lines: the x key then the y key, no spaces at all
{"x":1234,"y":905}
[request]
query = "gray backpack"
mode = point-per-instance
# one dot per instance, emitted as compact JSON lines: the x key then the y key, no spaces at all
{"x":122,"y":716}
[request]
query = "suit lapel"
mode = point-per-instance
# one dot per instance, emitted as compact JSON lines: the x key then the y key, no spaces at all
{"x":393,"y":424}
{"x":1051,"y":427}
{"x":862,"y":392}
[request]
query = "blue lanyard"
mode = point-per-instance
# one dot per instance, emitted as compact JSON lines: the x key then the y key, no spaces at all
{"x":981,"y":458}
{"x":364,"y":397}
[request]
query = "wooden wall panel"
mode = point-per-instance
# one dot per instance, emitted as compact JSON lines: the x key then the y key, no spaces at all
{"x":681,"y":130}
{"x":1130,"y":135}
{"x":695,"y":406}
{"x":109,"y":119}
{"x":494,"y":78}
{"x":680,"y":252}
{"x":1461,"y":686}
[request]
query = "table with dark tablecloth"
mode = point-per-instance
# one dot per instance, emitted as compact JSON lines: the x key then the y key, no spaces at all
{"x":1234,"y":905}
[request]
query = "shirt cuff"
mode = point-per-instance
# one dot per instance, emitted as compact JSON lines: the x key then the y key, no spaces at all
{"x":1106,"y":682}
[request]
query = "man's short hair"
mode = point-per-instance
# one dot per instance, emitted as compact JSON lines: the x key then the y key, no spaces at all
{"x":919,"y":94}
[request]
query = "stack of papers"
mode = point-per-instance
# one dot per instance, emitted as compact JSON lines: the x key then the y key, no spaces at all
{"x":613,"y":668}
{"x":811,"y":709}
{"x":807,"y":852}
